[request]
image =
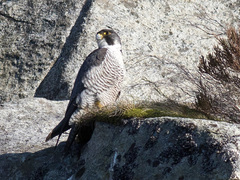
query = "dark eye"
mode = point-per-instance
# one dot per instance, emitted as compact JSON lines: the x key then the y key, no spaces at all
{"x":106,"y":33}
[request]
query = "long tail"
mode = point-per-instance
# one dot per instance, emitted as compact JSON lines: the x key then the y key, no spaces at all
{"x":84,"y":131}
{"x":63,"y":125}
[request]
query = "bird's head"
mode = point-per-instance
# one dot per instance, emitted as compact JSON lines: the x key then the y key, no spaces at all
{"x":108,"y":37}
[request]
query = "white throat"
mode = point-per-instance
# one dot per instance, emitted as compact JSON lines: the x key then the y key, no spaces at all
{"x":103,"y":44}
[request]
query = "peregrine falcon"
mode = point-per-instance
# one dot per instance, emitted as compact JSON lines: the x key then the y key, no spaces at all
{"x":98,"y":84}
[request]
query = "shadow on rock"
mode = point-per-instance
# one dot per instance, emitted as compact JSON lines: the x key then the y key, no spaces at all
{"x":153,"y":148}
{"x":48,"y":163}
{"x":54,"y":86}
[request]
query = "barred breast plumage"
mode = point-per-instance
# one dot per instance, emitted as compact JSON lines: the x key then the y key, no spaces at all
{"x":103,"y":82}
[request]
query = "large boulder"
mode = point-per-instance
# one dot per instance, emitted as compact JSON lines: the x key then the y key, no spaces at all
{"x":153,"y":148}
{"x":162,"y":42}
{"x":162,"y":148}
{"x":43,"y":45}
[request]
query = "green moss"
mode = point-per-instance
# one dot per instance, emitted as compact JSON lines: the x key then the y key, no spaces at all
{"x":158,"y":112}
{"x":146,"y":110}
{"x":135,"y":112}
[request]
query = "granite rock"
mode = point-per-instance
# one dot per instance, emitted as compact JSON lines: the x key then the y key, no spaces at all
{"x":162,"y":43}
{"x":43,"y":44}
{"x":25,"y":124}
{"x":153,"y":148}
{"x":31,"y":38}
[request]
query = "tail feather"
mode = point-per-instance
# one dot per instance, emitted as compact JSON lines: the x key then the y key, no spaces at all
{"x":59,"y":129}
{"x":84,"y":131}
{"x":64,"y":124}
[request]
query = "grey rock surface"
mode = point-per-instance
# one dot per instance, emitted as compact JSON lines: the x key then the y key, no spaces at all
{"x":163,"y":148}
{"x":162,"y":41}
{"x":32,"y":34}
{"x":153,"y":148}
{"x":25,"y":123}
{"x":44,"y":44}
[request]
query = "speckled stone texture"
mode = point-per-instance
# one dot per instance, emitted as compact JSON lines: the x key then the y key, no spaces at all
{"x":24,"y":124}
{"x":44,"y":44}
{"x":163,"y":148}
{"x":155,"y":148}
{"x":162,"y":43}
{"x":32,"y":34}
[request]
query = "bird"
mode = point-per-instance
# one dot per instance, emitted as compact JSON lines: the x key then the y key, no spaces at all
{"x":98,"y":84}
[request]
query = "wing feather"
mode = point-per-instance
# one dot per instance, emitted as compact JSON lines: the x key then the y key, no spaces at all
{"x":92,"y":60}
